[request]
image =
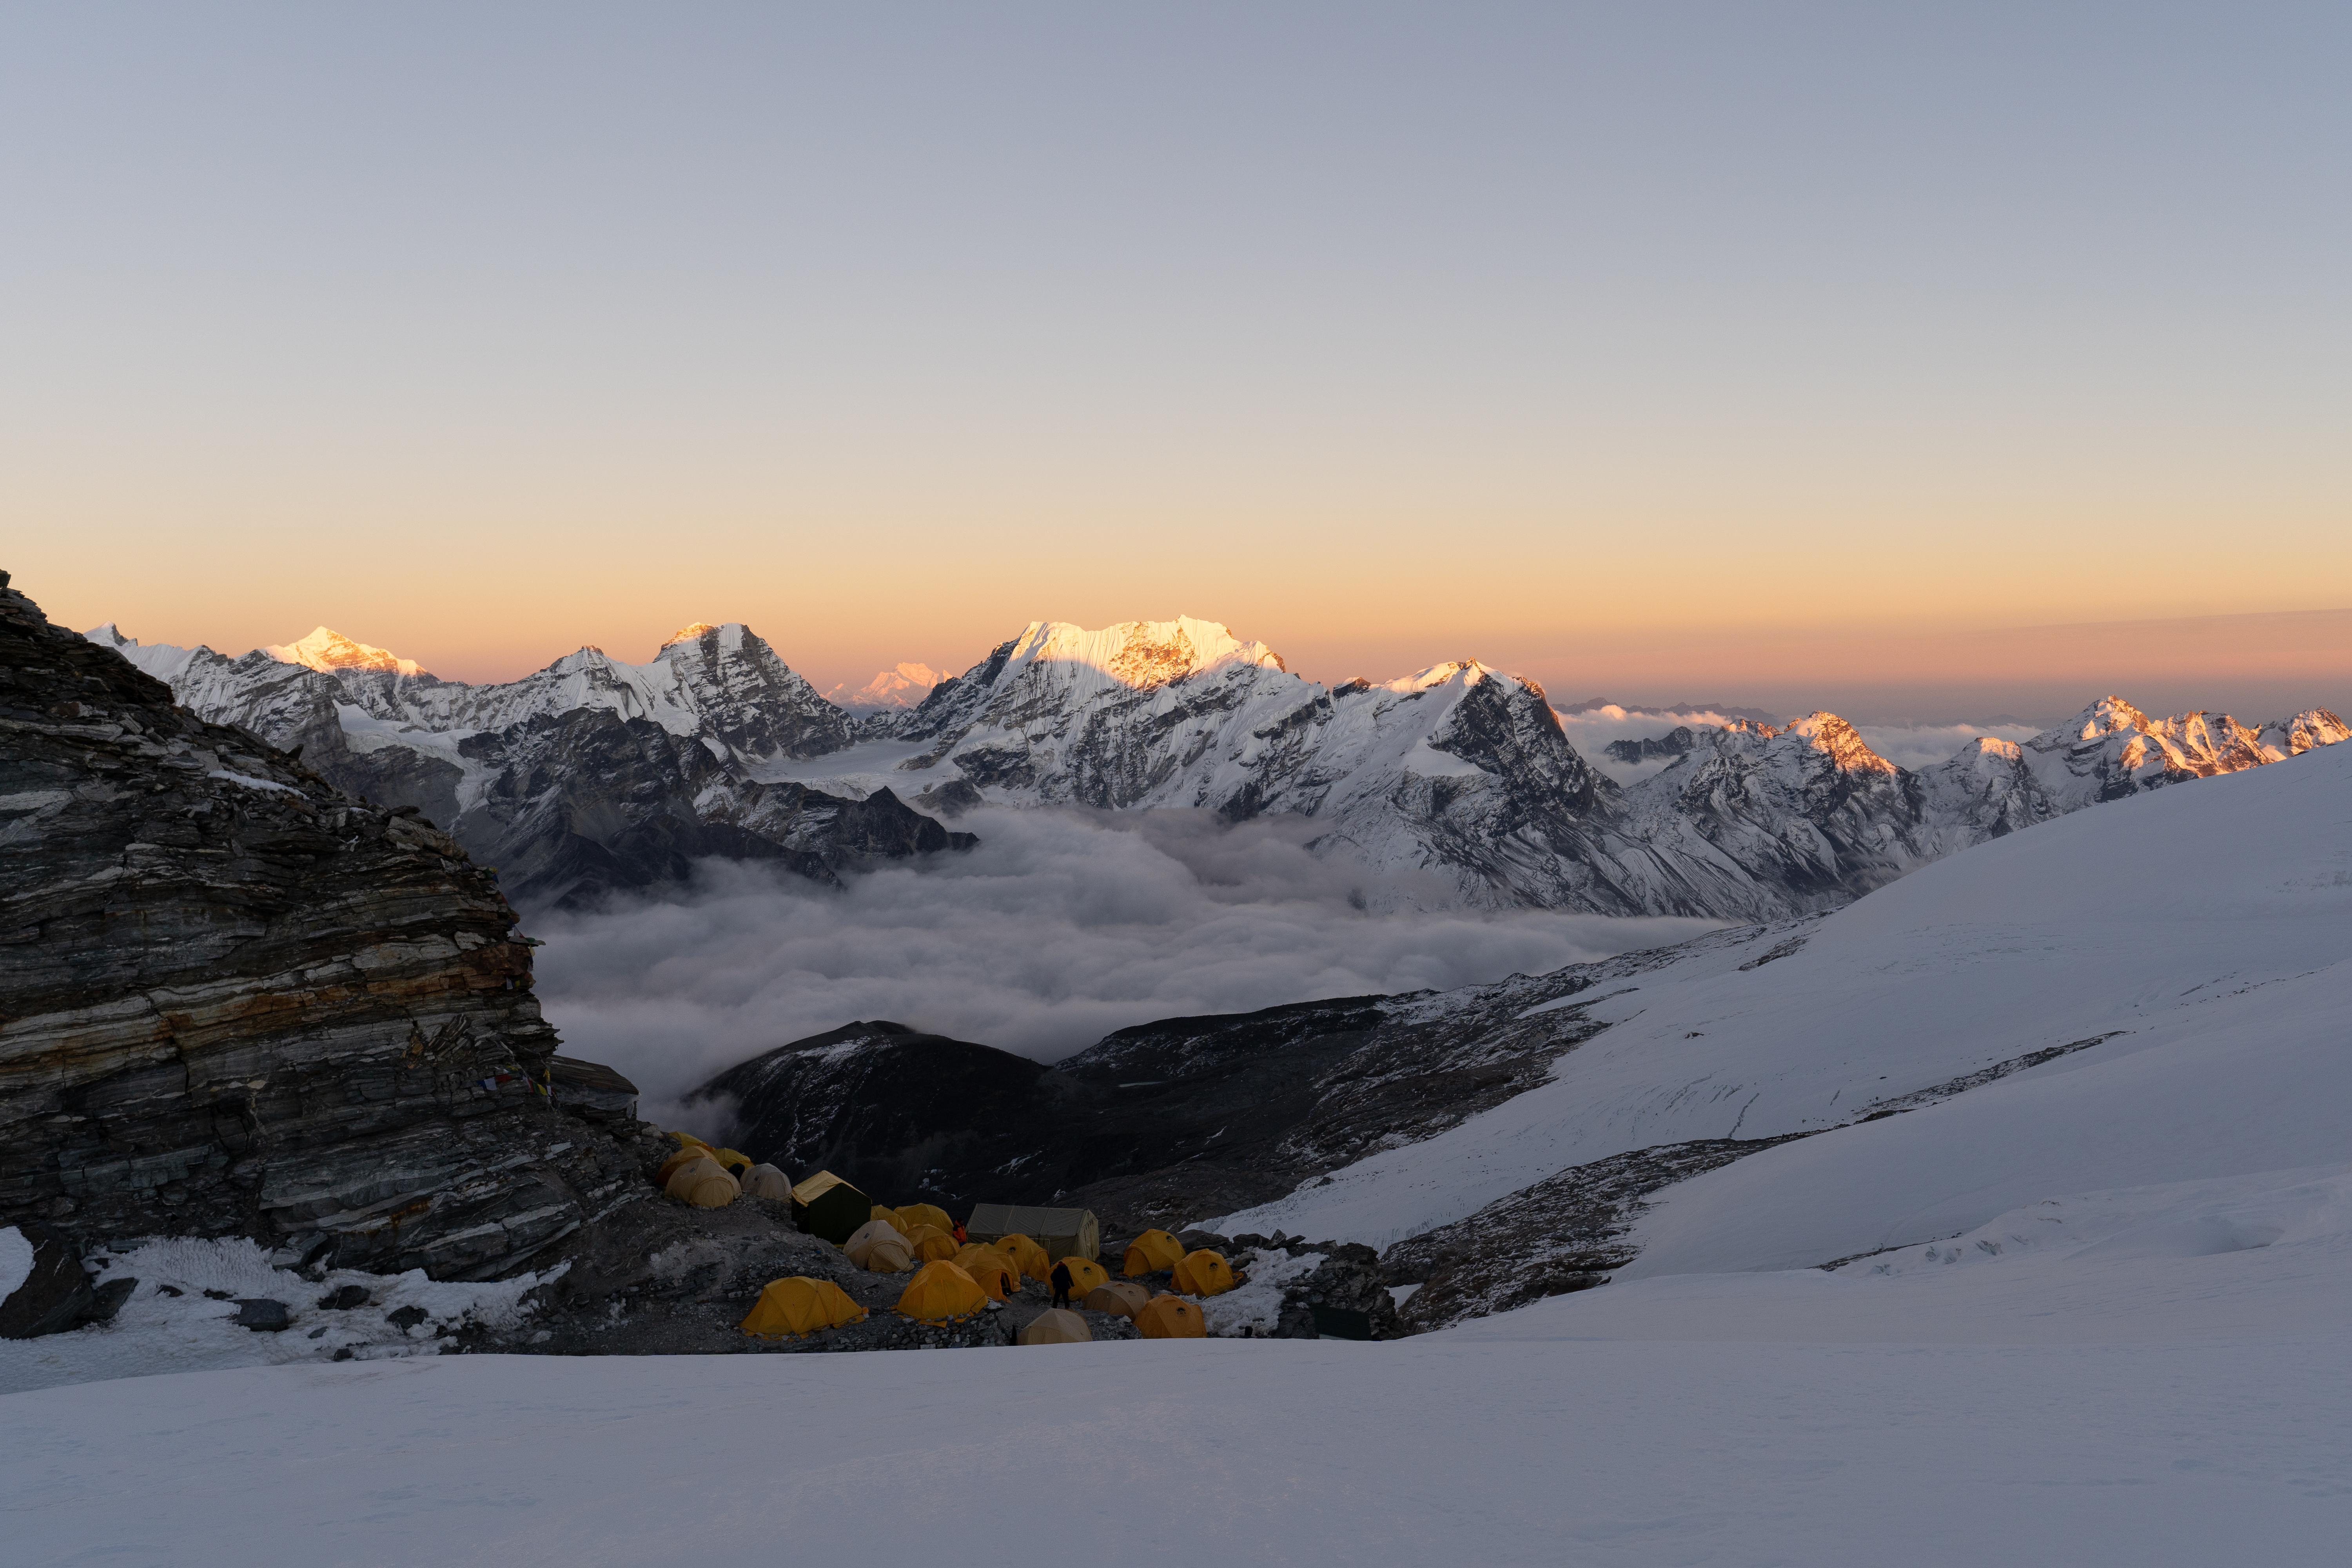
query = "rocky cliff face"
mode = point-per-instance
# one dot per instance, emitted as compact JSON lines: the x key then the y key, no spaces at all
{"x":235,"y":1001}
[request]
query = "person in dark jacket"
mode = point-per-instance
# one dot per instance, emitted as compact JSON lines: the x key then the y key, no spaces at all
{"x":1060,"y":1279}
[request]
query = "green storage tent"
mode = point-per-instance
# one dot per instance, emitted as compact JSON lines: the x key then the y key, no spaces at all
{"x":826,"y":1207}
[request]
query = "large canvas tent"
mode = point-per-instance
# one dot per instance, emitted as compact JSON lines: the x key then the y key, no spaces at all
{"x":1062,"y":1233}
{"x":826,"y":1205}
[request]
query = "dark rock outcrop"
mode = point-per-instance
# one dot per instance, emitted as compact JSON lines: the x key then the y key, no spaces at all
{"x":1164,"y":1122}
{"x":234,"y":1001}
{"x":1675,"y":742}
{"x":55,"y":1292}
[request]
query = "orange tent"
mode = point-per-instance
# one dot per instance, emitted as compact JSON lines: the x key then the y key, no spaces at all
{"x":1085,"y":1275}
{"x":1152,"y":1252}
{"x":930,"y":1243}
{"x":1119,"y":1295}
{"x":800,"y":1305}
{"x":997,"y":1274}
{"x":1204,"y":1273}
{"x":912,"y":1215}
{"x":939,"y":1292}
{"x":1171,"y":1318}
{"x":1026,"y":1255}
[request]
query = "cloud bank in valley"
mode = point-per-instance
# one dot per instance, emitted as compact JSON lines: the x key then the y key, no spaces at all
{"x":1061,"y":927}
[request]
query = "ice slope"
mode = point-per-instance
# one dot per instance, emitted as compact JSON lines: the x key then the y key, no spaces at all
{"x":2203,"y":931}
{"x":1566,"y":1433}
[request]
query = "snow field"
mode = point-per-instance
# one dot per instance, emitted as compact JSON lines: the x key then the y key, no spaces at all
{"x":2207,"y":932}
{"x":156,"y":1333}
{"x":1534,"y":1446}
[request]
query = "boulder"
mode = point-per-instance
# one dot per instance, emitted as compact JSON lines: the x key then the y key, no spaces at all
{"x":47,"y":1288}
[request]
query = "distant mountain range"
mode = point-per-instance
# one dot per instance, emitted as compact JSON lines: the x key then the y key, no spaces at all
{"x":1455,"y":784}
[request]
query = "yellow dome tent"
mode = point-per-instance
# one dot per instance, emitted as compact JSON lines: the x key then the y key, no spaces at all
{"x":1171,"y":1318}
{"x":931,"y":1244}
{"x":1085,"y":1274}
{"x":1026,"y":1255}
{"x":800,"y":1305}
{"x":768,"y":1183}
{"x":939,"y":1292}
{"x":733,"y":1162}
{"x":669,"y":1167}
{"x":1204,"y":1273}
{"x":879,"y":1248}
{"x":887,"y":1216}
{"x":1054,"y":1327}
{"x":1119,"y":1296}
{"x":912,"y":1215}
{"x":996,"y":1274}
{"x":1152,"y":1252}
{"x":702,"y":1183}
{"x":688,"y":1140}
{"x":826,"y":1205}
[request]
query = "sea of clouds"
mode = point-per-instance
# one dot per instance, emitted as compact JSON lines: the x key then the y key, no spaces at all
{"x":1061,"y":927}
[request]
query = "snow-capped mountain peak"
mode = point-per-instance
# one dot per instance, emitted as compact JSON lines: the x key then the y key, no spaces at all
{"x":902,"y":686}
{"x":684,"y":633}
{"x":1836,"y":739}
{"x":327,"y":650}
{"x":1139,"y":654}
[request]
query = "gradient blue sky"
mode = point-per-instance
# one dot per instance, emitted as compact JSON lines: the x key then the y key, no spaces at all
{"x":1624,"y":346}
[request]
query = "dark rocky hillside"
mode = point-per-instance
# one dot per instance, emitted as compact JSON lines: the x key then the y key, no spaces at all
{"x":235,"y":1001}
{"x":1165,"y":1122}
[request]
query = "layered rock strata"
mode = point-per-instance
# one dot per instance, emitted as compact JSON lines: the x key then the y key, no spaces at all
{"x":235,"y":1001}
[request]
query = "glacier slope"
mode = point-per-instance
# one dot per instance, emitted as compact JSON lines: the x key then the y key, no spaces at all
{"x":2199,"y":936}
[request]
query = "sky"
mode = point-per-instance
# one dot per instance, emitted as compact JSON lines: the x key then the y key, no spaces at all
{"x":1929,"y":363}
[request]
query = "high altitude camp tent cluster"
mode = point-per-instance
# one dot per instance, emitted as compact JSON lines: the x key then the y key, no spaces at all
{"x":711,"y":1177}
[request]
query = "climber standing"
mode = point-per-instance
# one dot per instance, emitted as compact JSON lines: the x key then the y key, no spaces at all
{"x":1060,"y":1279}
